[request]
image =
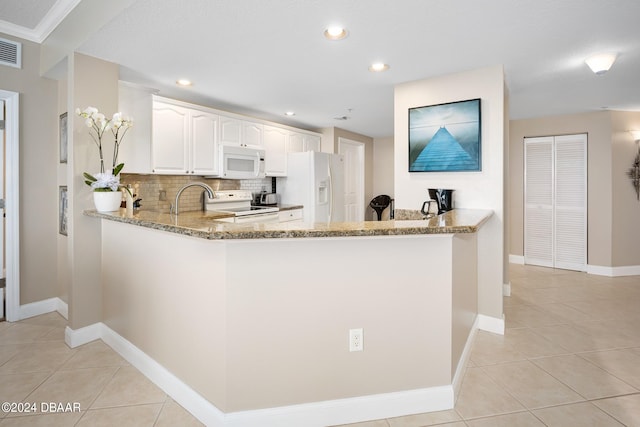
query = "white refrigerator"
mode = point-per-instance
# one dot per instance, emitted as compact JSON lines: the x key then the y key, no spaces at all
{"x":316,"y":181}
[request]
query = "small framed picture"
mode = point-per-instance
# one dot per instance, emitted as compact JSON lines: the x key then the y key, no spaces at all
{"x":62,"y":208}
{"x":63,"y":138}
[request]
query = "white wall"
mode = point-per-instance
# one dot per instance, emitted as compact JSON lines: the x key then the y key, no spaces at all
{"x":382,"y":171}
{"x":484,"y":189}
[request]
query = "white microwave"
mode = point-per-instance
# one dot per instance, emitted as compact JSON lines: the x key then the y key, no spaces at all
{"x":241,"y":162}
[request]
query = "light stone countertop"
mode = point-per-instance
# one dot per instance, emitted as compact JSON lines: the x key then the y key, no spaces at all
{"x":205,"y":225}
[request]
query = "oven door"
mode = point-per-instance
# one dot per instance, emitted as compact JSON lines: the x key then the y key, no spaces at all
{"x":261,"y":217}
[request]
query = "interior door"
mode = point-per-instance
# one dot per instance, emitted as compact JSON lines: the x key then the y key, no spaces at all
{"x":2,"y":242}
{"x":555,"y":232}
{"x":353,"y":153}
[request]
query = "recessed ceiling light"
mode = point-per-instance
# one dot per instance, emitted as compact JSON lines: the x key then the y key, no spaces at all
{"x":184,"y":82}
{"x":335,"y":33}
{"x":378,"y":66}
{"x":290,"y":113}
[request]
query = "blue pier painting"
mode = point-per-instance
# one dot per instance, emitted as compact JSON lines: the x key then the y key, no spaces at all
{"x":445,"y":137}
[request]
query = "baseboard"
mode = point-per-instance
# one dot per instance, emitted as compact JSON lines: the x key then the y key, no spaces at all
{"x":627,"y":270}
{"x":506,"y":289}
{"x":316,"y":414}
{"x":346,"y":411}
{"x":43,"y":307}
{"x":464,"y":360}
{"x":78,"y":337}
{"x":516,"y":259}
{"x":491,"y":324}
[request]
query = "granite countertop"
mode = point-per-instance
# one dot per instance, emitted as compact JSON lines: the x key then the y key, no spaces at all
{"x":205,"y":225}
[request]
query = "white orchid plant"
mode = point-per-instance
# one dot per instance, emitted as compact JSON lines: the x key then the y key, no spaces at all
{"x":98,"y":125}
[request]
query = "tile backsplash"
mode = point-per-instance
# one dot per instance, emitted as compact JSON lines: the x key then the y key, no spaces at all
{"x":159,"y":191}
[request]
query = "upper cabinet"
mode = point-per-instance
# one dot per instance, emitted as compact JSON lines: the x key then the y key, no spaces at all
{"x":275,"y":146}
{"x":177,"y":138}
{"x":239,"y":132}
{"x":299,"y":142}
{"x":184,"y":140}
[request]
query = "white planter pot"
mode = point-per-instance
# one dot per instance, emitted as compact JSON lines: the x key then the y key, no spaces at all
{"x":107,"y":201}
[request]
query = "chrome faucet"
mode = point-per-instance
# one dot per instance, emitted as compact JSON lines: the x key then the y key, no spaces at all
{"x":174,"y":207}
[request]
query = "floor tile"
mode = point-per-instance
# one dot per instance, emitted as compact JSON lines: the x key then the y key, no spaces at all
{"x":624,"y":364}
{"x":625,"y":409}
{"x":527,"y":342}
{"x":569,"y":337}
{"x":80,"y":385}
{"x":173,"y":414}
{"x":579,"y":414}
{"x":38,"y":357}
{"x":519,"y":419}
{"x":489,"y":349}
{"x":481,"y":397}
{"x":95,"y":354}
{"x":584,"y":377}
{"x":530,"y":385}
{"x":377,"y":423}
{"x":21,"y":333}
{"x":48,"y":420}
{"x":48,"y":319}
{"x":129,"y":387}
{"x":16,"y":387}
{"x":128,"y":416}
{"x":429,"y":419}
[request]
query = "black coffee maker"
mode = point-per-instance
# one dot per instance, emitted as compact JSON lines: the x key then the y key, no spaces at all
{"x":442,"y":197}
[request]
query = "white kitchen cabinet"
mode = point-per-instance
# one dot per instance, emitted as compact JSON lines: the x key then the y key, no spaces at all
{"x":234,"y":131}
{"x":184,"y":140}
{"x":204,"y":143}
{"x":275,"y":146}
{"x":299,"y":142}
{"x":290,"y":215}
{"x":136,"y":102}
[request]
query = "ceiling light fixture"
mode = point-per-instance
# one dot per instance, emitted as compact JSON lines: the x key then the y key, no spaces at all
{"x":601,"y":62}
{"x":184,"y":82}
{"x":290,"y":113}
{"x":335,"y":33}
{"x":378,"y":67}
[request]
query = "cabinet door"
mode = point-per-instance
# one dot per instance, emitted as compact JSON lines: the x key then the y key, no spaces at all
{"x":230,"y":131}
{"x":204,"y":143}
{"x":170,"y":133}
{"x":311,"y":143}
{"x":296,"y":143}
{"x":252,"y":134}
{"x":275,"y":145}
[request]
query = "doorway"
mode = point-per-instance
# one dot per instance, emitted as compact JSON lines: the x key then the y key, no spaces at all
{"x":555,"y":215}
{"x":9,"y":175}
{"x":2,"y":232}
{"x":353,"y":152}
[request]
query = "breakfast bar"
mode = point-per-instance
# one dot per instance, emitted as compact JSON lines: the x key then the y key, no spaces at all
{"x":269,"y":308}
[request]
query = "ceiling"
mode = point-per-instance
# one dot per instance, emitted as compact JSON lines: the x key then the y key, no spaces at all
{"x":264,"y":58}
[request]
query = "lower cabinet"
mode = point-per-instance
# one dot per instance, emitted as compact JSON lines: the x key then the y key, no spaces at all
{"x":290,"y":215}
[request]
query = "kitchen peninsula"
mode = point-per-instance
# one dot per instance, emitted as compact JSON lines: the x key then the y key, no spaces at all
{"x":252,"y":321}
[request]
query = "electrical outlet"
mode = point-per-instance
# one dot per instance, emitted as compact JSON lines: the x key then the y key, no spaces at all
{"x":356,"y":340}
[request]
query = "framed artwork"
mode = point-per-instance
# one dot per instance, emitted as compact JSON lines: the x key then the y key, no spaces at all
{"x":63,"y":137}
{"x":445,"y":137}
{"x":62,"y":210}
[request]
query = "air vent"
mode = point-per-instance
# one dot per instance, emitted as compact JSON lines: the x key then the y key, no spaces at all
{"x":10,"y":53}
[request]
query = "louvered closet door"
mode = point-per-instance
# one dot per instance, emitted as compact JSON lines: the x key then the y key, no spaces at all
{"x":555,"y":201}
{"x":570,"y":220}
{"x":538,"y":213}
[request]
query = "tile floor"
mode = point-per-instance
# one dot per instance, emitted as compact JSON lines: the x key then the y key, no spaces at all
{"x":37,"y":366}
{"x":570,"y":357}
